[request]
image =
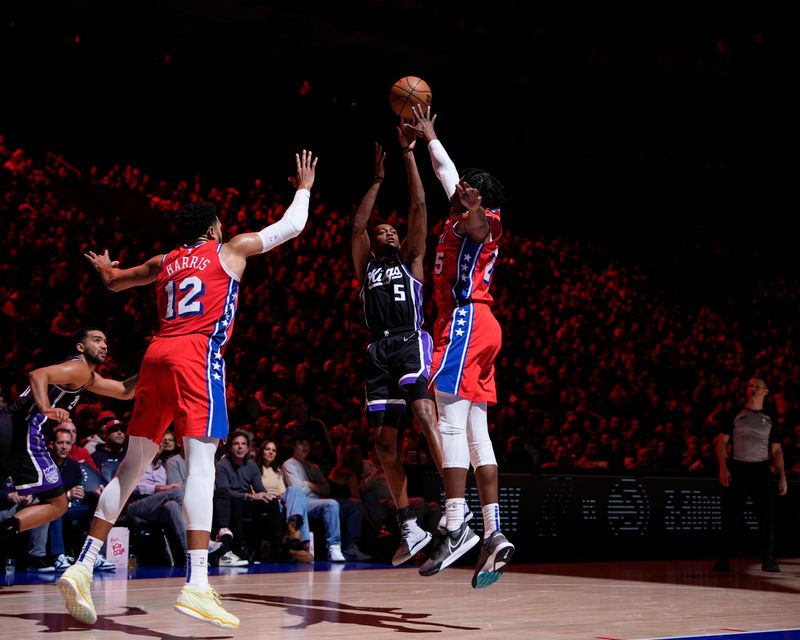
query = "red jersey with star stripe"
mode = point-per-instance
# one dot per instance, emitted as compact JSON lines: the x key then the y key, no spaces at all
{"x":463,"y":268}
{"x":196,"y":293}
{"x":467,"y":336}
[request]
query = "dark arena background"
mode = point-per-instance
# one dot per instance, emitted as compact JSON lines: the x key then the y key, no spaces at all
{"x":647,"y":271}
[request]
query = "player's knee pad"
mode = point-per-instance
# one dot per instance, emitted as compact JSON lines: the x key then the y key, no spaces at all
{"x":481,"y":451}
{"x":481,"y":454}
{"x":453,"y":412}
{"x":198,"y":495}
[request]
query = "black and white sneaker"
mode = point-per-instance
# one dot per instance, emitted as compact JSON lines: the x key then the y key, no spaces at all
{"x":219,"y":547}
{"x":413,"y":539}
{"x":451,"y":547}
{"x":64,"y":562}
{"x":230,"y":559}
{"x":40,"y":564}
{"x":496,"y":552}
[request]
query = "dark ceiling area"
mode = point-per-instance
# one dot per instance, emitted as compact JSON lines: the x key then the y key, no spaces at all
{"x":610,"y":122}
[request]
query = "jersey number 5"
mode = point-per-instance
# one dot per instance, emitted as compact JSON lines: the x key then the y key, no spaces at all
{"x":439,"y":264}
{"x":189,"y":304}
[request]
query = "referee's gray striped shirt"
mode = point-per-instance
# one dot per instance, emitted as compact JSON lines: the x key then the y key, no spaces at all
{"x":752,"y":434}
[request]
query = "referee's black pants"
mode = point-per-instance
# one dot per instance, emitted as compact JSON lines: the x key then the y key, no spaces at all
{"x":753,"y":480}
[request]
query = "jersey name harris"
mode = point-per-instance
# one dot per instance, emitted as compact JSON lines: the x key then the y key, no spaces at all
{"x":187,"y":262}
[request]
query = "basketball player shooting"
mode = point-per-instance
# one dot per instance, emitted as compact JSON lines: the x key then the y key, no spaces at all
{"x":399,"y":357}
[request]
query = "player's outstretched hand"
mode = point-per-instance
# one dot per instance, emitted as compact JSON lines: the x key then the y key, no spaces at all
{"x":101,"y":262}
{"x":406,"y":136}
{"x":469,"y":196}
{"x":423,"y":124}
{"x":380,"y":156}
{"x":306,"y":170}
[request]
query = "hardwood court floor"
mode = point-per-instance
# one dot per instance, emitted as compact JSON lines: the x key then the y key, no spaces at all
{"x":625,"y":601}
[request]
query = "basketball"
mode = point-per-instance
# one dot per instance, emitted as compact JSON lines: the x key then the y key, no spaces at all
{"x":407,"y":92}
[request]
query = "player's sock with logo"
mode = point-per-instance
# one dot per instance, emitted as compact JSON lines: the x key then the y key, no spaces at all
{"x":491,"y":519}
{"x":88,"y":555}
{"x":454,"y":510}
{"x":197,"y":567}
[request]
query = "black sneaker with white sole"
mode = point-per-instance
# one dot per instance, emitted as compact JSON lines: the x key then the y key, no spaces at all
{"x":451,"y":547}
{"x":40,"y":564}
{"x":496,"y":552}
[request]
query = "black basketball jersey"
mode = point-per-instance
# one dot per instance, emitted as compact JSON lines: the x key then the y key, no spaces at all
{"x":24,"y":408}
{"x":392,"y":297}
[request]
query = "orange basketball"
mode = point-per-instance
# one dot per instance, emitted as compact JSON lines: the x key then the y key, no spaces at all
{"x":407,"y":92}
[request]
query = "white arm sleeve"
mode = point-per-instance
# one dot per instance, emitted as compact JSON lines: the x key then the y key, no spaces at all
{"x":290,"y":225}
{"x":443,"y":167}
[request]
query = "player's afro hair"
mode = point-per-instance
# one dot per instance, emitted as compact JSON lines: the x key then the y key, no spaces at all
{"x":491,"y":189}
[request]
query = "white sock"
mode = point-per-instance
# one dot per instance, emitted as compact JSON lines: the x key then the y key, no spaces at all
{"x":491,"y":519}
{"x":454,"y":510}
{"x":88,"y":555}
{"x":197,"y":567}
{"x":443,"y":518}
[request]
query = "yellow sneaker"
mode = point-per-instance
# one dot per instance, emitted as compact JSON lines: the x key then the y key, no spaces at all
{"x":205,"y":604}
{"x":75,"y":586}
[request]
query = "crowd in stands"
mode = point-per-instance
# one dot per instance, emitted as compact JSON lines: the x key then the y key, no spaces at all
{"x":598,"y":370}
{"x":591,"y":352}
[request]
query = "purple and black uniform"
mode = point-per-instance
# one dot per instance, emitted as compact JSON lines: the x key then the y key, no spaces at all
{"x":23,"y":426}
{"x":399,"y":358}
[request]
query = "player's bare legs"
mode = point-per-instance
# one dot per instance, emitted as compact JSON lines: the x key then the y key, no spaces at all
{"x":425,"y":412}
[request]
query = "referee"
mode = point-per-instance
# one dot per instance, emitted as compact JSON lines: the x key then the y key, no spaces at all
{"x":747,"y":473}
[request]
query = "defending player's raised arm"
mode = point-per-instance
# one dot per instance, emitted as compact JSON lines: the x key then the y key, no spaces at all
{"x":119,"y":389}
{"x":118,"y":279}
{"x":240,"y":247}
{"x":443,"y":166}
{"x":71,"y":373}
{"x":414,"y":246}
{"x":359,"y":238}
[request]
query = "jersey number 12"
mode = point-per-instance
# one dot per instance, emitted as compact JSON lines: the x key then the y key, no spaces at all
{"x":189,"y":304}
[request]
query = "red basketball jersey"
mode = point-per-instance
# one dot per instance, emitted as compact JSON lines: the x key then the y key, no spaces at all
{"x":196,"y":293}
{"x":463,"y":269}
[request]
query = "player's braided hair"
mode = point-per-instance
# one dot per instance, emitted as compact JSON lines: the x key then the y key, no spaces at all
{"x":491,"y":189}
{"x":193,"y":220}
